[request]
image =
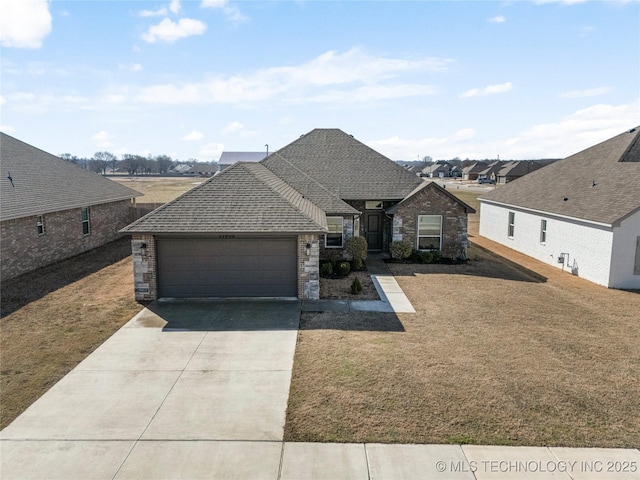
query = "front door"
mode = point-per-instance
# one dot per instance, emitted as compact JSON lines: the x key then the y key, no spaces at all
{"x":374,"y":231}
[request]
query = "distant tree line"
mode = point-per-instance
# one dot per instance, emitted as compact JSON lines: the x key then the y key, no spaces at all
{"x":107,"y":162}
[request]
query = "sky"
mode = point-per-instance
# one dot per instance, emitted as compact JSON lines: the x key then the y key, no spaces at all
{"x":190,"y":79}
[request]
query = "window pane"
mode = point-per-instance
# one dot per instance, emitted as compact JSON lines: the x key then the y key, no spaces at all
{"x":334,"y":236}
{"x":429,"y":243}
{"x":429,"y":225}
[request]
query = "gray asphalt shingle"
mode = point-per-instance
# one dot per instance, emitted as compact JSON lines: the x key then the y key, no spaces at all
{"x":600,"y":184}
{"x":43,"y":183}
{"x":244,"y":198}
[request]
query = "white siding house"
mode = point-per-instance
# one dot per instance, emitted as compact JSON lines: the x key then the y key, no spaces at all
{"x":581,"y":214}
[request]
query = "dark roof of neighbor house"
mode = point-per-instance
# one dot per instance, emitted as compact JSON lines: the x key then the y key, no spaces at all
{"x":434,"y":186}
{"x":229,"y":158}
{"x":43,"y":183}
{"x":519,"y":168}
{"x":345,"y":166}
{"x":244,"y":198}
{"x":600,"y":184}
{"x":203,"y":168}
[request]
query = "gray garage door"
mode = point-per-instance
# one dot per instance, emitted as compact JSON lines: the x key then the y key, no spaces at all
{"x":236,"y":267}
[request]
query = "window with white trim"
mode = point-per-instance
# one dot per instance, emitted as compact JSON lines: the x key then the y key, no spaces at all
{"x":429,"y":232}
{"x":543,"y":231}
{"x":356,"y":227}
{"x":86,"y":221}
{"x":40,"y":225}
{"x":333,"y":238}
{"x":512,"y":224}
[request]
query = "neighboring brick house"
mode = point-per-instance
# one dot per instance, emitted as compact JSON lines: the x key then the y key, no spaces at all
{"x":52,"y":209}
{"x":581,"y":214}
{"x":260,"y":229}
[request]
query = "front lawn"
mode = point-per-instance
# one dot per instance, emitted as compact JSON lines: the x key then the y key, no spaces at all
{"x":492,"y":356}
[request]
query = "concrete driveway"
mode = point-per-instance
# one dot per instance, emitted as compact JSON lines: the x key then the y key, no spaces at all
{"x":182,"y":386}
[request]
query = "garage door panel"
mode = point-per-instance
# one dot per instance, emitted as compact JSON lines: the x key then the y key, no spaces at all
{"x":246,"y":267}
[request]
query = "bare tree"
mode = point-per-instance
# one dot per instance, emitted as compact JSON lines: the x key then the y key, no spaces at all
{"x":101,"y":161}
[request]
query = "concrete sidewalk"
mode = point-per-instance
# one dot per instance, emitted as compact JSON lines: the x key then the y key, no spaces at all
{"x":199,"y":390}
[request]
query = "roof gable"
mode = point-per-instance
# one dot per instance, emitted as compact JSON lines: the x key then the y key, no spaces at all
{"x":425,"y":186}
{"x":43,"y":183}
{"x":600,"y":184}
{"x":346,"y":167}
{"x":244,"y":198}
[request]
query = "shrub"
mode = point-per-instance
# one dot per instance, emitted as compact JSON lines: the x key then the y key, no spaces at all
{"x":421,"y":257}
{"x":357,"y":248}
{"x":400,"y":250}
{"x":343,"y":269}
{"x":356,"y":286}
{"x":326,"y":270}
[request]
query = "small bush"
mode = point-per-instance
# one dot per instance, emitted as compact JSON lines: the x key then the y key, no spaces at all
{"x":357,"y":248}
{"x":356,"y":286}
{"x":343,"y":269}
{"x":400,"y":250}
{"x":421,"y":257}
{"x":326,"y":269}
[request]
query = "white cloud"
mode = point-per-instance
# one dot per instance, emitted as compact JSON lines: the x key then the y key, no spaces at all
{"x":233,"y":127}
{"x":497,"y":19}
{"x":134,"y":67}
{"x":367,"y":77}
{"x":24,"y":23}
{"x":488,"y":90}
{"x":558,"y":139}
{"x":194,"y":135}
{"x":169,"y":31}
{"x":2,"y":100}
{"x":102,"y":139}
{"x":231,"y":11}
{"x":161,"y":12}
{"x":576,"y":132}
{"x":590,"y":92}
{"x":210,"y":151}
{"x":174,"y":6}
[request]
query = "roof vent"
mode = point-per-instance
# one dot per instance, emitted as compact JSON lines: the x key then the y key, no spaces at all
{"x":632,"y":130}
{"x":565,"y":199}
{"x":593,"y":183}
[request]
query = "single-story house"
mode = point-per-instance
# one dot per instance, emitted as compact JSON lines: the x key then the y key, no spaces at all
{"x":516,"y":169}
{"x":260,"y":229}
{"x":229,"y":158}
{"x":203,"y":169}
{"x":472,"y":172}
{"x":435,"y":170}
{"x":581,"y":213}
{"x":53,"y":209}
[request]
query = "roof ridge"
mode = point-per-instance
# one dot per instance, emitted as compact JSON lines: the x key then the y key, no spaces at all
{"x":252,"y":168}
{"x":631,"y":144}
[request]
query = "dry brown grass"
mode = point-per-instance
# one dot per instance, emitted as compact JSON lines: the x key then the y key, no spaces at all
{"x":492,"y":356}
{"x":54,"y":317}
{"x":159,"y":189}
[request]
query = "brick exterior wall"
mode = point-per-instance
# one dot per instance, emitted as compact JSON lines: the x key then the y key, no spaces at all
{"x":309,"y":267}
{"x":145,"y":269}
{"x":23,"y":250}
{"x":432,"y":202}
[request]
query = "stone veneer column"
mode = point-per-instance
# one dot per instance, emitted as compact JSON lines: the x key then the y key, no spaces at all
{"x":308,"y":267}
{"x":145,"y":277}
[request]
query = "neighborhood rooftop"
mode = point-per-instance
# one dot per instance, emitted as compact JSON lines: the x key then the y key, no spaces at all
{"x":35,"y":182}
{"x":600,"y":184}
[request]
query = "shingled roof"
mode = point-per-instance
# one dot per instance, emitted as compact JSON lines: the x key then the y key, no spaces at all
{"x":310,"y":188}
{"x":345,"y":166}
{"x":434,"y":186}
{"x":35,"y":182}
{"x":600,"y":184}
{"x":244,"y":198}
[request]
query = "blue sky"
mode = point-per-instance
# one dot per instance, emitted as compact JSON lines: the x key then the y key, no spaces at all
{"x":468,"y":79}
